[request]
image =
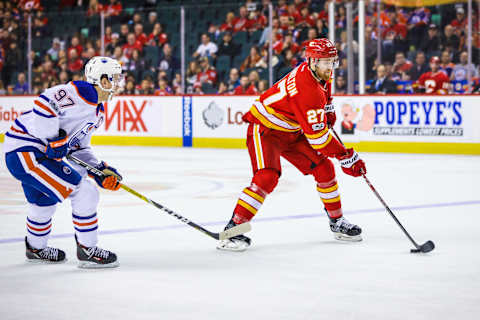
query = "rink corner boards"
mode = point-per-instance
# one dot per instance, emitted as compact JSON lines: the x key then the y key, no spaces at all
{"x":235,"y":143}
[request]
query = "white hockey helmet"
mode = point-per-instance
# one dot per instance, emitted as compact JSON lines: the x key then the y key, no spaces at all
{"x":97,"y":67}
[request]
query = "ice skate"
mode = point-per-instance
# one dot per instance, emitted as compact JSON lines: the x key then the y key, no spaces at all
{"x":95,"y":257}
{"x":344,"y":230}
{"x":45,"y":255}
{"x":237,"y":243}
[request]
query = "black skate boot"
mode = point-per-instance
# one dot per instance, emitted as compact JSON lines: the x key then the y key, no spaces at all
{"x":45,"y":255}
{"x":95,"y":257}
{"x":344,"y":230}
{"x":237,"y":243}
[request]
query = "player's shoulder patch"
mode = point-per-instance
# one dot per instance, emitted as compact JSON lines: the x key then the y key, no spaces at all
{"x":86,"y":91}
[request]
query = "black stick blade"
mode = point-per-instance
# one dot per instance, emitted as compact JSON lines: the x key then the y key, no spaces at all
{"x":426,"y":247}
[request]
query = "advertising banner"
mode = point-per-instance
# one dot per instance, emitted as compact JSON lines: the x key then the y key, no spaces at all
{"x":414,"y":118}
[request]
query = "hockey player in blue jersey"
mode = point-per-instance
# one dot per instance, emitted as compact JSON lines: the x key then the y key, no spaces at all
{"x":61,"y":121}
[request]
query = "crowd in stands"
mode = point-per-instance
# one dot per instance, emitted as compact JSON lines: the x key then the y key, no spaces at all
{"x":229,"y":54}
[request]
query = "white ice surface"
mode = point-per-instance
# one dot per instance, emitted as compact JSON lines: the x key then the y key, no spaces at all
{"x":294,"y":270}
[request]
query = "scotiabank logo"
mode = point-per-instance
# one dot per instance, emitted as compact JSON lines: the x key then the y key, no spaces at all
{"x":8,"y":115}
{"x":125,"y":115}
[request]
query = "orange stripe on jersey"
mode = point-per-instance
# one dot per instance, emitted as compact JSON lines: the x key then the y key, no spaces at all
{"x":254,"y":195}
{"x":247,"y":206}
{"x":336,"y":199}
{"x":64,"y":191}
{"x":267,"y":123}
{"x":323,"y":145}
{"x":44,"y":107}
{"x":86,"y":223}
{"x":85,"y":100}
{"x":17,"y":131}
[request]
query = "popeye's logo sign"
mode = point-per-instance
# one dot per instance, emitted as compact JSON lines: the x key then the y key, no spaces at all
{"x":127,"y":116}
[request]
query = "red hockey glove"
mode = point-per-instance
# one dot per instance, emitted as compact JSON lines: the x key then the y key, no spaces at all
{"x":330,"y":115}
{"x":352,"y":164}
{"x":111,"y":179}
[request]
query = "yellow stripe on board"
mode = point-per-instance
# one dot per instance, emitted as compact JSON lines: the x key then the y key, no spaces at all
{"x":420,"y":3}
{"x":240,"y":143}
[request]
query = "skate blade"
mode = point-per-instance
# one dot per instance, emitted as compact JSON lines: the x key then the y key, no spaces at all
{"x":39,"y":261}
{"x":344,"y":237}
{"x":228,"y":245}
{"x":93,"y":265}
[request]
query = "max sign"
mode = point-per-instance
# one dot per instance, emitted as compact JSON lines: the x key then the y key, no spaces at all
{"x":124,"y":115}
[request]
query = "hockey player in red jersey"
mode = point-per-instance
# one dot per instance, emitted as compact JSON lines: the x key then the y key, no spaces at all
{"x":292,"y":120}
{"x":434,"y":81}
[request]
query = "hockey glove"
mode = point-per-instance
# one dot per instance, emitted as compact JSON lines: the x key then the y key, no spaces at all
{"x":352,"y":164}
{"x":330,"y":115}
{"x":57,"y":148}
{"x":111,"y":178}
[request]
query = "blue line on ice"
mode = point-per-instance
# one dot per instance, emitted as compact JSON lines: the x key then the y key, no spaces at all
{"x":291,"y":217}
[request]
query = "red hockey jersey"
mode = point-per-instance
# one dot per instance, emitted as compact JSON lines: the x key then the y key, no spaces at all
{"x":297,"y":102}
{"x":434,"y":83}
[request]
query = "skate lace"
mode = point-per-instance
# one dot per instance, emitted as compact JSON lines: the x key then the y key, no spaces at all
{"x":343,"y":224}
{"x":98,"y":252}
{"x":49,"y":253}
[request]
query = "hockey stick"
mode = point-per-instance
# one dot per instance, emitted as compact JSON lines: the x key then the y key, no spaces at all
{"x":240,"y":229}
{"x":427,"y":246}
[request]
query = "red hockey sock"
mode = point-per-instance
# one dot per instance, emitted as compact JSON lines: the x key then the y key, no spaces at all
{"x":327,"y":188}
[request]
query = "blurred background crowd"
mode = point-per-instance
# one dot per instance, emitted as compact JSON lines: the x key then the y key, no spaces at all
{"x":227,"y":44}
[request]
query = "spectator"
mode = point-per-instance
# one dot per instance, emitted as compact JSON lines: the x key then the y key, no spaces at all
{"x":119,"y":56}
{"x":417,"y":25}
{"x":254,"y":78}
{"x":241,"y":22}
{"x":228,"y":24}
{"x":222,"y":88}
{"x":262,"y":86}
{"x":192,"y":72}
{"x":55,"y":49}
{"x":13,"y":59}
{"x":401,"y":65}
{"x":75,"y":64}
{"x":163,"y":88}
{"x":431,"y":43}
{"x":449,"y":39}
{"x":157,"y":37}
{"x":208,"y":75}
{"x":94,"y":8}
{"x":251,"y":60}
{"x":124,"y":32}
{"x":114,"y":8}
{"x":245,"y":88}
{"x":460,"y":71}
{"x":75,"y":44}
{"x":382,"y":84}
{"x":434,"y":81}
{"x":21,"y":87}
{"x":256,"y":21}
{"x":140,"y":36}
{"x":340,"y":85}
{"x":460,"y":22}
{"x":206,"y":48}
{"x":130,"y":88}
{"x":131,"y":45}
{"x":152,"y":21}
{"x":63,"y":77}
{"x":420,"y":66}
{"x":177,"y":84}
{"x":135,"y":65}
{"x":446,"y":64}
{"x":115,"y":42}
{"x":145,"y":87}
{"x":227,"y":47}
{"x":233,"y":79}
{"x":168,"y":62}
{"x":322,"y":29}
